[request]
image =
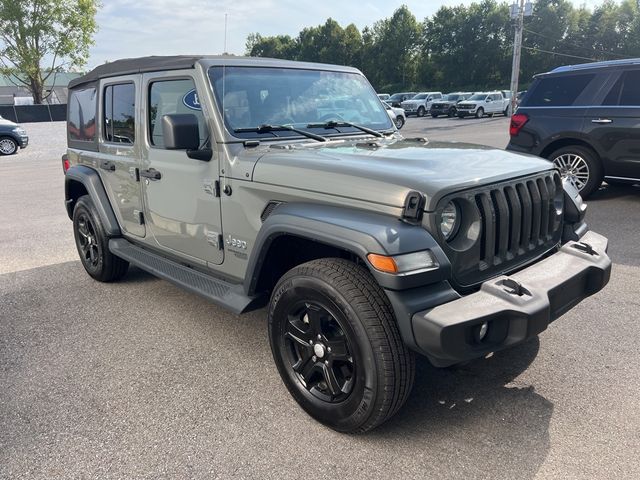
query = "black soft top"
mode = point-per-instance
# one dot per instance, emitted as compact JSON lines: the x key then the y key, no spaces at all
{"x":128,"y":66}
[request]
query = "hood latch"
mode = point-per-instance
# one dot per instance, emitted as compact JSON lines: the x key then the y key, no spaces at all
{"x":413,"y":207}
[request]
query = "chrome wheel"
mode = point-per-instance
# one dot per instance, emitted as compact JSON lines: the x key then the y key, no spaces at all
{"x":574,"y":168}
{"x":399,"y":122}
{"x":8,"y":146}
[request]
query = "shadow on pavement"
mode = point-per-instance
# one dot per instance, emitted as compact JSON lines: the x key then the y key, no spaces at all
{"x":486,"y":420}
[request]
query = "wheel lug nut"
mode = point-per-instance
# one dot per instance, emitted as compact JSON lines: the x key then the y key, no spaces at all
{"x":326,"y":362}
{"x":319,"y":337}
{"x":313,"y":358}
{"x":329,"y":349}
{"x":310,"y":342}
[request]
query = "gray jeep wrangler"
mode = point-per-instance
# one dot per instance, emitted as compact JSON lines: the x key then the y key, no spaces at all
{"x":257,"y":181}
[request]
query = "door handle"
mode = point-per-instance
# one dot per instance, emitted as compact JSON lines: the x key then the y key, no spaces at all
{"x":151,"y":174}
{"x":108,"y":165}
{"x":601,"y":120}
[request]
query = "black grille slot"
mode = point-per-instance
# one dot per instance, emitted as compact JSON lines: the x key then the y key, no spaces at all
{"x":518,"y":222}
{"x":268,"y":210}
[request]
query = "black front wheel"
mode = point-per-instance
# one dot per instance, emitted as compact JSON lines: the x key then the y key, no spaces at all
{"x":93,"y":244}
{"x":399,"y":122}
{"x":421,"y":111}
{"x":337,"y":346}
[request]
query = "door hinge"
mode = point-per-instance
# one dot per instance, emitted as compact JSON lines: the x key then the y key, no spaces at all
{"x":139,"y":216}
{"x":214,"y":239}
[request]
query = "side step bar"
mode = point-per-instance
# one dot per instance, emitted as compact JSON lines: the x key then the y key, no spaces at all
{"x":228,"y":295}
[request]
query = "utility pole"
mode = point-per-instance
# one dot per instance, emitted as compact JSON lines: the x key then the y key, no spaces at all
{"x":225,"y":33}
{"x":518,"y":12}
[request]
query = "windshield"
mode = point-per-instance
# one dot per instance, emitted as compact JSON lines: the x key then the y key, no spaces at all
{"x":479,"y":96}
{"x":453,"y":98}
{"x":420,"y":96}
{"x":255,"y":96}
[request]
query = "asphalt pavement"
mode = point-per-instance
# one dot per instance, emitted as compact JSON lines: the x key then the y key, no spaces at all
{"x":139,"y":379}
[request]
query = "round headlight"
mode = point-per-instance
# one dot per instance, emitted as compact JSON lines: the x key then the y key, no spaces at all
{"x":449,"y":220}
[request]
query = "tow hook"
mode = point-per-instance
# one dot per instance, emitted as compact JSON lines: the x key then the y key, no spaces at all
{"x":585,"y":247}
{"x":514,"y":287}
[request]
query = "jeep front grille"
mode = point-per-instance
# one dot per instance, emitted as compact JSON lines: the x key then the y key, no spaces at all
{"x":516,"y":222}
{"x":516,"y":219}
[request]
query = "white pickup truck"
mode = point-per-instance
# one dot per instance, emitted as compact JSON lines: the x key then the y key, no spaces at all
{"x":484,"y":103}
{"x":420,"y":104}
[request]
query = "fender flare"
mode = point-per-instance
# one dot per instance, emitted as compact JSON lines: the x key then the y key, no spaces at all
{"x":357,"y":231}
{"x":90,"y":179}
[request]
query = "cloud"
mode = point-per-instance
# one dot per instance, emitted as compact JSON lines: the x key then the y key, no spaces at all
{"x":171,"y":27}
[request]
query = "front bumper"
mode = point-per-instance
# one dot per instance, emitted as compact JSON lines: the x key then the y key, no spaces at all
{"x":23,"y":141}
{"x":516,"y":307}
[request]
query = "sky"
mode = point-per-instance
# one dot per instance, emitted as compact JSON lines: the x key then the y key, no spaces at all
{"x":171,"y":27}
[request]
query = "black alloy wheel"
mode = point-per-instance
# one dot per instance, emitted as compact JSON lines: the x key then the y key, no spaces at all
{"x":319,"y":351}
{"x":93,"y":243}
{"x":337,"y":347}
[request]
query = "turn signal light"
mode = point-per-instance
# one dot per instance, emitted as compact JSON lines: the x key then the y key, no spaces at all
{"x":65,"y":163}
{"x":383,"y":263}
{"x":517,"y":122}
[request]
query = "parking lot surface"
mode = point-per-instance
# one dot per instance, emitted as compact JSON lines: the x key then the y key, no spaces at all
{"x":139,"y":379}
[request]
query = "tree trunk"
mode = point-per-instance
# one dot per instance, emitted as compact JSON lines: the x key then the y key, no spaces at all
{"x":36,"y":88}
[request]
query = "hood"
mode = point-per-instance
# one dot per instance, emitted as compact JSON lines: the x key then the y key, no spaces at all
{"x":415,"y":101}
{"x":384,"y":175}
{"x":469,"y":102}
{"x":7,"y":123}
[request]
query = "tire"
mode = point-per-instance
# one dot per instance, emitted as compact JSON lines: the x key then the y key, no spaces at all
{"x":452,"y":112}
{"x":581,"y":166}
{"x":93,"y":244}
{"x":421,"y":111}
{"x":8,"y":146}
{"x":370,"y":368}
{"x":399,"y":122}
{"x":480,"y":113}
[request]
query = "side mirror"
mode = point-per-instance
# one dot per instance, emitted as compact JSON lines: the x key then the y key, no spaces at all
{"x":180,"y":131}
{"x":488,"y":100}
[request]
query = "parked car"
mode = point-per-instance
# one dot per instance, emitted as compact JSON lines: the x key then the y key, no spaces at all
{"x":508,"y":97}
{"x":483,"y":103}
{"x":12,"y":137}
{"x":585,"y":119}
{"x":397,"y":98}
{"x":447,"y":105}
{"x":420,"y":104}
{"x":384,"y":96}
{"x":367,"y":247}
{"x":396,"y":114}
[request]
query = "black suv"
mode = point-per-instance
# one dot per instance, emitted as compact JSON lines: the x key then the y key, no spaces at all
{"x":586,"y":119}
{"x":397,"y":98}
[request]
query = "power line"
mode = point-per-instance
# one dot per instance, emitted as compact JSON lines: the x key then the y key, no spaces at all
{"x":575,"y":45}
{"x":560,"y":54}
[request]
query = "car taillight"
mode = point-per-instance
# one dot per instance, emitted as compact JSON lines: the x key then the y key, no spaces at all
{"x":65,"y":163}
{"x":517,"y":122}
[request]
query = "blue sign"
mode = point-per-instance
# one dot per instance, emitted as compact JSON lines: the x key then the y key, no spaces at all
{"x":191,"y":100}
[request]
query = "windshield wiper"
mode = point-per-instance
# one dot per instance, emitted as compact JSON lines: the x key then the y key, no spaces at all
{"x":334,"y":124}
{"x":282,"y":128}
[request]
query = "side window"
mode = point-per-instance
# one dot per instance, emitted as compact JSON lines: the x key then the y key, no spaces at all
{"x":173,"y":96}
{"x":81,"y":124}
{"x":558,"y":91}
{"x":119,"y":113}
{"x":625,"y":92}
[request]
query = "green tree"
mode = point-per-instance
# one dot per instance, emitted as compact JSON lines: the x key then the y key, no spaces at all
{"x":41,"y":37}
{"x":279,"y":46}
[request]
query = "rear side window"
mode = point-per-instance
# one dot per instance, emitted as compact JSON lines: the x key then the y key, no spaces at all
{"x":120,"y":113}
{"x":558,"y":91}
{"x":626,"y":91}
{"x":173,"y":96}
{"x":81,"y":123}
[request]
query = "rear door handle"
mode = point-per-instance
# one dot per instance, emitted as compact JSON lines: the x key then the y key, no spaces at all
{"x":601,"y":120}
{"x":108,"y":165}
{"x":151,"y":174}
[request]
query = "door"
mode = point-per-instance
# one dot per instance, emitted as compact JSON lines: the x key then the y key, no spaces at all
{"x":614,"y":126}
{"x":118,"y":154}
{"x":181,"y":201}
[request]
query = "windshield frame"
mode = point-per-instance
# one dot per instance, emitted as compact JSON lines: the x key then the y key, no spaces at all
{"x":234,"y":136}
